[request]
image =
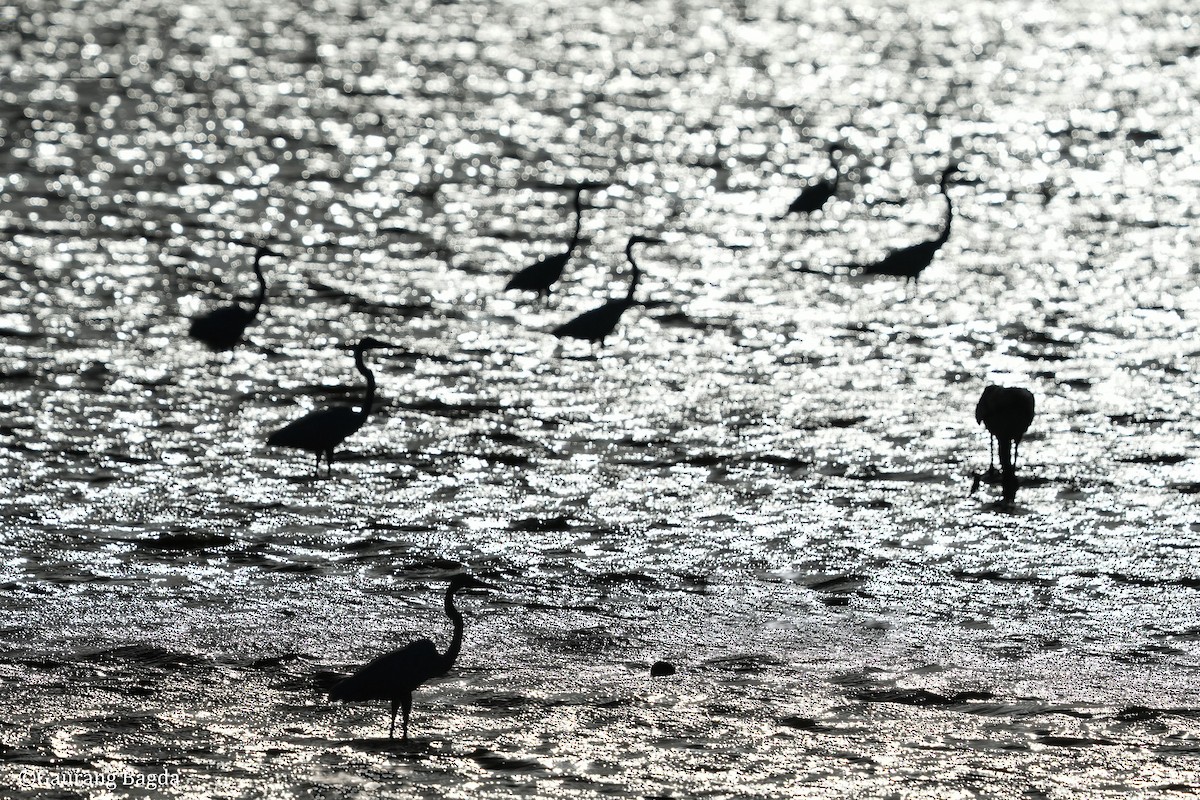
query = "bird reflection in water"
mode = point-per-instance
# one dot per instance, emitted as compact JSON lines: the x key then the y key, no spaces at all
{"x":1007,"y":413}
{"x":599,"y":323}
{"x":222,"y":328}
{"x":395,"y":675}
{"x":323,"y":430}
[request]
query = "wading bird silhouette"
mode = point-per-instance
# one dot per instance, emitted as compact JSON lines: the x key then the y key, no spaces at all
{"x":393,"y":676}
{"x":816,"y":195}
{"x":1006,"y":412}
{"x":222,"y":328}
{"x":908,"y":262}
{"x":541,"y":275}
{"x":597,"y":324}
{"x":322,"y":430}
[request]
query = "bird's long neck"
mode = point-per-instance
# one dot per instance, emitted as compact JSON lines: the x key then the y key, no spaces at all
{"x":578,"y":205}
{"x":262,"y":282}
{"x":945,"y":234}
{"x":634,"y":276}
{"x":456,"y":618}
{"x":369,"y":396}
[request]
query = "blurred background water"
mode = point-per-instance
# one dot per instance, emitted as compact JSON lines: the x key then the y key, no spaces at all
{"x":764,"y":476}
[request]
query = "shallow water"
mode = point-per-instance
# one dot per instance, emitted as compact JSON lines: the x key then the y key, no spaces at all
{"x":764,"y":477}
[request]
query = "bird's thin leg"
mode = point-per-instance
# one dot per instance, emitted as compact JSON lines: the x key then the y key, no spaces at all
{"x":328,"y":463}
{"x":392,"y":730}
{"x":1006,"y":453}
{"x":991,"y":455}
{"x":317,"y":471}
{"x":405,"y":709}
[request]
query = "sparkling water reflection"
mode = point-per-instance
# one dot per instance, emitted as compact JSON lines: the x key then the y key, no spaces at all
{"x":763,"y":477}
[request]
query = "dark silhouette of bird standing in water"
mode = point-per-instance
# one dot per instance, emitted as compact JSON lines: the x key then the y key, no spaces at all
{"x":222,"y":328}
{"x":541,"y":275}
{"x":322,"y":430}
{"x":597,"y":324}
{"x":1006,"y":412}
{"x":908,"y":262}
{"x":393,"y":676}
{"x":816,"y":195}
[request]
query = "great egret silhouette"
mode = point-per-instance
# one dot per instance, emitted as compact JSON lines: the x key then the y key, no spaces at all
{"x":222,"y":328}
{"x":597,"y":324}
{"x":393,"y":676}
{"x":908,"y":262}
{"x":1006,"y":412}
{"x":322,"y":430}
{"x":816,"y":195}
{"x":541,"y":275}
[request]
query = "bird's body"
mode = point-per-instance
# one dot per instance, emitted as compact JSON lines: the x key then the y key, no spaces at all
{"x":816,"y":195}
{"x":594,"y":325}
{"x":222,"y":328}
{"x":541,"y":275}
{"x":394,"y":676}
{"x":1006,"y":412}
{"x":321,"y":431}
{"x":598,"y":323}
{"x":909,"y":262}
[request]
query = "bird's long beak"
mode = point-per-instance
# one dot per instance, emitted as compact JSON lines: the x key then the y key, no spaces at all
{"x":478,"y":584}
{"x":378,"y":345}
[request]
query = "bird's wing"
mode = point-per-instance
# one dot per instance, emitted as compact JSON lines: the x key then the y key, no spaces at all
{"x":391,"y":674}
{"x":1024,"y":408}
{"x":219,"y":321}
{"x":903,"y":262}
{"x":594,"y":324}
{"x":540,"y":274}
{"x":813,"y":196}
{"x":318,"y":430}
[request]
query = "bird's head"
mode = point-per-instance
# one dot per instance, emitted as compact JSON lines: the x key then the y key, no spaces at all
{"x":639,"y":239}
{"x":262,"y":250}
{"x":464,"y":581}
{"x":371,"y":343}
{"x":948,"y":173}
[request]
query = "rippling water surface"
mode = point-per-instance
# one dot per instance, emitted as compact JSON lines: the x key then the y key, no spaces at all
{"x":764,"y":477}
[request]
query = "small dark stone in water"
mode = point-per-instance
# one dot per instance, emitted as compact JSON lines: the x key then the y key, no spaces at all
{"x":804,"y":724}
{"x":662,"y":668}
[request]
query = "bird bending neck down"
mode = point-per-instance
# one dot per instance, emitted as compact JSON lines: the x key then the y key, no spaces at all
{"x":321,"y":431}
{"x":541,"y":275}
{"x":596,"y":325}
{"x":222,"y":328}
{"x":909,"y":262}
{"x":394,"y":675}
{"x":1006,"y":412}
